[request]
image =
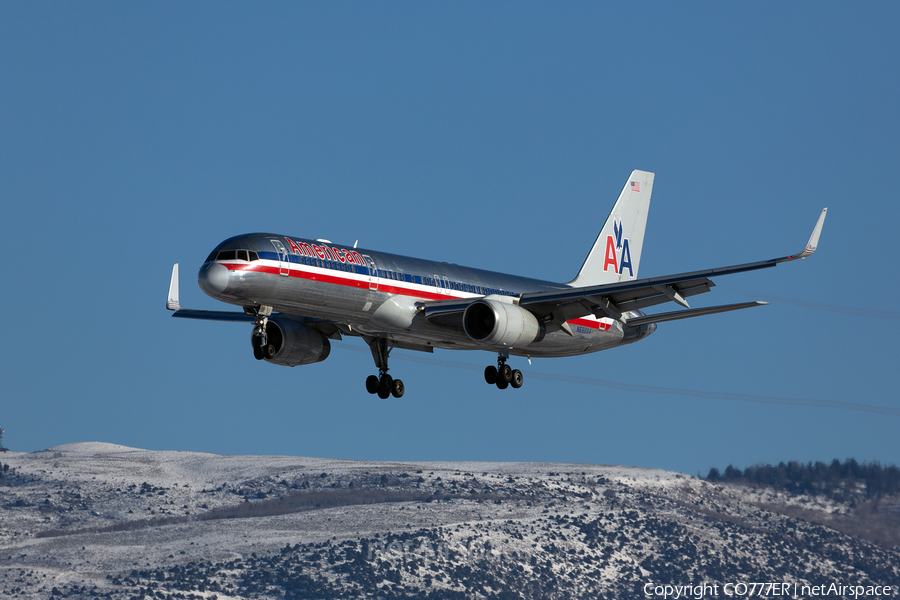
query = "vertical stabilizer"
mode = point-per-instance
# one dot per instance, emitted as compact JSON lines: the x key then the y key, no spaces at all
{"x":616,"y":254}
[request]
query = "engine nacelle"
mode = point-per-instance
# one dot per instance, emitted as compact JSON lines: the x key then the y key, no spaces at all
{"x":295,"y":343}
{"x":501,"y":324}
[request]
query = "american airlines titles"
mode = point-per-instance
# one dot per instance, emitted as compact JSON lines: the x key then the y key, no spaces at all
{"x":326,"y":253}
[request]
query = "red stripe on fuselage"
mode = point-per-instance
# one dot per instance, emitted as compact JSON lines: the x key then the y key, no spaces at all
{"x":591,"y":324}
{"x":388,"y":288}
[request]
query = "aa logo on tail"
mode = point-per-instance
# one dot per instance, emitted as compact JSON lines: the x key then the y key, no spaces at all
{"x":618,"y":252}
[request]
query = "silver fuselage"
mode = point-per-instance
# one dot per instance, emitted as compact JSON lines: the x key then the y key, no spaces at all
{"x":369,"y":293}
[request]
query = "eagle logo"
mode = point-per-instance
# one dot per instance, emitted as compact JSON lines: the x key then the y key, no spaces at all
{"x":618,"y":229}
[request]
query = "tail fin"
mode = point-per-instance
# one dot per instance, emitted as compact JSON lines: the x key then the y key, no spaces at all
{"x":616,"y":254}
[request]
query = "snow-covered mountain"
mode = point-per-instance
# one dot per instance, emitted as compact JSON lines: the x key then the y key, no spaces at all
{"x":95,"y":520}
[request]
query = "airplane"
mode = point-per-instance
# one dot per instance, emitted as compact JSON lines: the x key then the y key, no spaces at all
{"x":301,"y":293}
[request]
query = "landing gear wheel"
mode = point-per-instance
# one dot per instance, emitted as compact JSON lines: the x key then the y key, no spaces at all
{"x":270,"y":351}
{"x":385,"y":385}
{"x":490,"y":374}
{"x":502,"y":384}
{"x":504,"y":374}
{"x":517,"y":379}
{"x":257,"y":350}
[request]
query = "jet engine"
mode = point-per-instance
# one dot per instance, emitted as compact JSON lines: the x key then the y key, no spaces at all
{"x":290,"y":343}
{"x":501,"y":324}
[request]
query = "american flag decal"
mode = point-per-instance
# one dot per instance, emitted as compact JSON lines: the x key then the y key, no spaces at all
{"x":635,"y":186}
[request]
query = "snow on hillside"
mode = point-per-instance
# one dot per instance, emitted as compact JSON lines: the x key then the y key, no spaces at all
{"x":101,"y":520}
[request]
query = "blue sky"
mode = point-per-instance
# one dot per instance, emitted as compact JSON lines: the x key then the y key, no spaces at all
{"x":495,"y":135}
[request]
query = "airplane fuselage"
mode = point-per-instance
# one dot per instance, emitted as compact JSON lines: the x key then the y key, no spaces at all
{"x":373,"y":293}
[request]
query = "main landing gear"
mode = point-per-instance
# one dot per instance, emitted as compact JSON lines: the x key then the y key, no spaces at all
{"x":503,"y":375}
{"x":383,"y":384}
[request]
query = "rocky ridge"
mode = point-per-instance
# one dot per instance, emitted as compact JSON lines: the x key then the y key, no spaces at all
{"x":96,"y":520}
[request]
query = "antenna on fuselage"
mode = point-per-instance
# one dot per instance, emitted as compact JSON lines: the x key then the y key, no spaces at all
{"x":355,"y":243}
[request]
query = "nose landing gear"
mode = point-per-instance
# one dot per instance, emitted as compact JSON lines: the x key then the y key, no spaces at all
{"x":383,"y":384}
{"x":259,"y":339}
{"x":503,"y":375}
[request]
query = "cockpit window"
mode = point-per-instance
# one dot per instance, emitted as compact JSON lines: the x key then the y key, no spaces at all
{"x":247,"y":255}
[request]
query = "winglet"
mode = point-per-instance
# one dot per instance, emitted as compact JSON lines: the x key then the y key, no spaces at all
{"x":172,"y":300}
{"x":813,"y":240}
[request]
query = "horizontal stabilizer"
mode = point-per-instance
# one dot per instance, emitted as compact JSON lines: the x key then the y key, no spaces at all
{"x":173,"y":304}
{"x":687,"y":314}
{"x":214,"y":315}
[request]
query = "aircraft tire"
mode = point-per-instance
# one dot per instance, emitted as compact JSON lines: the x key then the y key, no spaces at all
{"x":517,"y":379}
{"x":504,"y":374}
{"x":502,"y":384}
{"x":490,"y":374}
{"x":372,"y":384}
{"x":397,"y":389}
{"x":258,"y":352}
{"x":270,"y":351}
{"x":385,"y":385}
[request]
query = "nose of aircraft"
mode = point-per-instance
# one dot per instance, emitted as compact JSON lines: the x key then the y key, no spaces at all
{"x":213,"y":278}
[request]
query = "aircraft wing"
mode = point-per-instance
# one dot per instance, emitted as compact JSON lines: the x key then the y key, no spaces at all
{"x":614,"y":299}
{"x":448,"y":313}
